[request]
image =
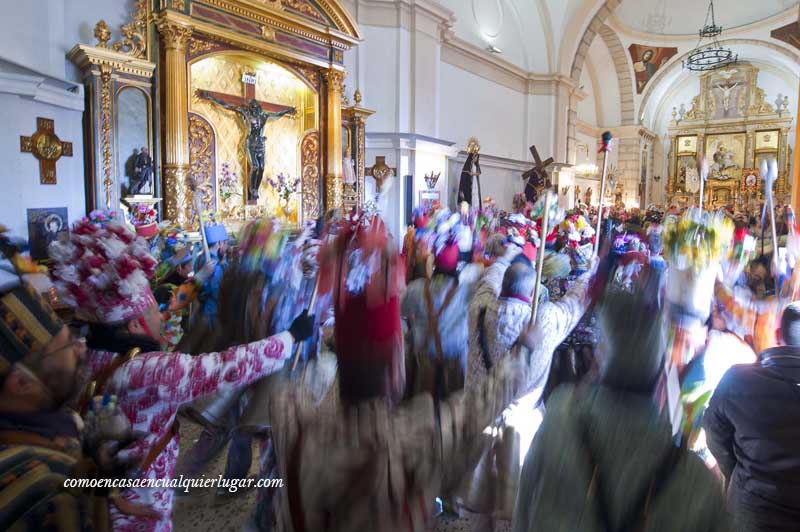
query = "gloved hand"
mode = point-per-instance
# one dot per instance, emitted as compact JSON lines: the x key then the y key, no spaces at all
{"x":302,"y":328}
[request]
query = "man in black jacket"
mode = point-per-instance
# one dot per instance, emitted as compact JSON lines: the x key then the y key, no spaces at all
{"x":753,"y":429}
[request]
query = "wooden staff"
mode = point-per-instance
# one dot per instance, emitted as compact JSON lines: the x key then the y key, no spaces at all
{"x":199,"y":209}
{"x":540,"y":257}
{"x":606,"y":146}
{"x":703,"y":177}
{"x":773,"y":174}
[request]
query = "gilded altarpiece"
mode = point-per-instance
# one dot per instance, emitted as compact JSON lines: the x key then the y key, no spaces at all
{"x":290,"y":53}
{"x":733,"y":125}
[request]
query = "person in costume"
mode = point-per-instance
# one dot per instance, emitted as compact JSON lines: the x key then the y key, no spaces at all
{"x":218,"y":245}
{"x":103,"y":272}
{"x":604,"y":457}
{"x":365,"y":462}
{"x":435,"y":311}
{"x":41,"y":444}
{"x":752,"y":428}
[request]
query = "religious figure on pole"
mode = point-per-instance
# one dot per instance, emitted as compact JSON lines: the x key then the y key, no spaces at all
{"x":255,"y":118}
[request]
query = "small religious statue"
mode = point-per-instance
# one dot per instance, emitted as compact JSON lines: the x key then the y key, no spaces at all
{"x":255,"y":118}
{"x":577,"y":194}
{"x":537,"y":178}
{"x":469,"y":173}
{"x":587,"y":196}
{"x":618,"y":193}
{"x":142,"y":173}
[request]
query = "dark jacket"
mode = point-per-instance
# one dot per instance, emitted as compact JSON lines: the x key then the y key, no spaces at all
{"x":753,"y":429}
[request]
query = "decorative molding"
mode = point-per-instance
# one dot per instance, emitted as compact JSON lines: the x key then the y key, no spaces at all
{"x":39,"y":89}
{"x":345,"y":35}
{"x":309,"y":150}
{"x":468,"y":57}
{"x":85,"y":56}
{"x":105,"y":123}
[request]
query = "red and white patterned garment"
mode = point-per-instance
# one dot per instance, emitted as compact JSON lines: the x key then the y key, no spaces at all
{"x":153,"y":386}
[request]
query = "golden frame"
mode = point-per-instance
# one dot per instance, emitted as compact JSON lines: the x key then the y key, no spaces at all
{"x":115,"y":106}
{"x":687,"y":144}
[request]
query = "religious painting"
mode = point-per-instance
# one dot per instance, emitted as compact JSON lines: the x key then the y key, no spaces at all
{"x":430,"y":199}
{"x":44,"y":226}
{"x":687,"y":145}
{"x":258,"y":112}
{"x":725,"y":155}
{"x":767,"y":141}
{"x":687,"y":169}
{"x":647,"y":60}
{"x":728,"y":91}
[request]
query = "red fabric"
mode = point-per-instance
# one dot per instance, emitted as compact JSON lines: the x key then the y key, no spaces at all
{"x":367,"y":331}
{"x":447,"y":258}
{"x":529,"y":250}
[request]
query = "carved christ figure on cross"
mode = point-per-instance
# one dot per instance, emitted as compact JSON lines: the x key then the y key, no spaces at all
{"x":255,"y":117}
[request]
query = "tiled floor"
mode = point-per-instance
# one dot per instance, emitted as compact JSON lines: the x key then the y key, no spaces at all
{"x":201,"y":510}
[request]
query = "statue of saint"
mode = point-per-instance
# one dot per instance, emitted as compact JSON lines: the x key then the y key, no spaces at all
{"x":587,"y":197}
{"x":142,"y":172}
{"x":255,"y":118}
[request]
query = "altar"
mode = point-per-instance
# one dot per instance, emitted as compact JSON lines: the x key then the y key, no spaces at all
{"x":735,"y":128}
{"x":240,"y":103}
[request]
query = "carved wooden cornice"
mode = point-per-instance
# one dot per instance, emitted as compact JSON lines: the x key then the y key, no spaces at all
{"x":343,"y":37}
{"x":85,"y":56}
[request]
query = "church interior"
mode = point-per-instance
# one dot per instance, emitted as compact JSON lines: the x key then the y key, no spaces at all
{"x":188,"y":113}
{"x":410,"y":83}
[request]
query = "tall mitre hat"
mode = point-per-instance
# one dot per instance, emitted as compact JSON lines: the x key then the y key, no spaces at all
{"x":104,"y":271}
{"x":364,"y":273}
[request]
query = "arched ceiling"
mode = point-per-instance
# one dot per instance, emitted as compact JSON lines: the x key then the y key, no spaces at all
{"x":529,"y":32}
{"x":685,"y":17}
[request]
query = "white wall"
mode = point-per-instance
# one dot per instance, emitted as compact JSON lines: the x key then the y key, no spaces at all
{"x":608,"y":86}
{"x":19,"y":173}
{"x":474,"y":106}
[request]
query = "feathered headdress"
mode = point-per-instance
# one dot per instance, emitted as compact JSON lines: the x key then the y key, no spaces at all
{"x":104,"y":271}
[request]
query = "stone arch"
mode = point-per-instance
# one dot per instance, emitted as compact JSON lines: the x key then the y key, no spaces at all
{"x":620,"y":57}
{"x":589,"y":34}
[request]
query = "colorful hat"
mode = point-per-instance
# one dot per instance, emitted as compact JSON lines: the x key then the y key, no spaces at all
{"x":369,"y":274}
{"x":446,"y":258}
{"x":104,"y":272}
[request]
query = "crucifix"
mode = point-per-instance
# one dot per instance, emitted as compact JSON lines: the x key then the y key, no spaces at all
{"x":536,"y":179}
{"x":45,"y":145}
{"x":255,"y":114}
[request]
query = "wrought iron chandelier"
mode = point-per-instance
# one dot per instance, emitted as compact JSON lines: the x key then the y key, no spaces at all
{"x":712,"y":55}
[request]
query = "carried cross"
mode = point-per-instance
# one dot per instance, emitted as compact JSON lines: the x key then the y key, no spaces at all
{"x":249,"y":82}
{"x":45,"y":145}
{"x":536,"y":179}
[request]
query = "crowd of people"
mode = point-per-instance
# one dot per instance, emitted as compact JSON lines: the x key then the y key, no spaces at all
{"x":396,"y":384}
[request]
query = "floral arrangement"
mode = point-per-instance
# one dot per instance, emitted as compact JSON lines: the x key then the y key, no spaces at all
{"x":228,"y":182}
{"x":285,"y":186}
{"x":697,"y":239}
{"x":99,"y":217}
{"x":143,"y":214}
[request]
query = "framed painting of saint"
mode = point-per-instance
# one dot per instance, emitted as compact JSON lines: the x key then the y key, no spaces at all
{"x":647,"y":60}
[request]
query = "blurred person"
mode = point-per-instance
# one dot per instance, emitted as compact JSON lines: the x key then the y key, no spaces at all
{"x":41,"y":444}
{"x":435,"y":310}
{"x":753,"y":428}
{"x":370,"y":462}
{"x":103,"y":271}
{"x":604,"y":458}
